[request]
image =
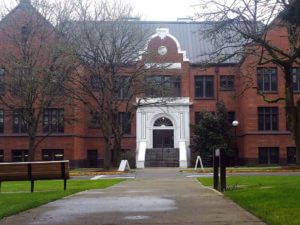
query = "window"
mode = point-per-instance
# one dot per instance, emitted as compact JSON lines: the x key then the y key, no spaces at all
{"x":53,"y":121}
{"x":2,"y":81}
{"x":163,"y":86}
{"x":123,"y":87}
{"x":268,"y":155}
{"x":231,"y":116}
{"x":291,"y":155}
{"x":1,"y":156}
{"x":19,"y":82}
{"x":204,"y":86}
{"x":267,"y":79}
{"x":267,"y":118}
{"x":1,"y":121}
{"x":20,"y":125}
{"x":296,"y":79}
{"x":52,"y":154}
{"x":94,"y":120}
{"x":163,"y":121}
{"x":124,"y":120}
{"x":19,"y":155}
{"x":227,"y":83}
{"x":56,"y":84}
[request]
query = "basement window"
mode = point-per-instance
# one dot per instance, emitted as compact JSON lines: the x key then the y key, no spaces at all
{"x":268,"y":155}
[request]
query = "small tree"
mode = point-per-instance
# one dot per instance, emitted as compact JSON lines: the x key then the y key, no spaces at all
{"x":240,"y":30}
{"x":212,"y":131}
{"x":36,"y":69}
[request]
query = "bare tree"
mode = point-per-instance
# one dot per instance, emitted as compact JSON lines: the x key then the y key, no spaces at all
{"x":240,"y":29}
{"x":114,"y":63}
{"x":36,"y":69}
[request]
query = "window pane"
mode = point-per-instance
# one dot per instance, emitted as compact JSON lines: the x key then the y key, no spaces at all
{"x":274,"y":122}
{"x":263,"y":155}
{"x":52,"y":155}
{"x":223,"y":83}
{"x":267,"y":122}
{"x":260,"y":82}
{"x":19,"y":155}
{"x":274,"y":155}
{"x":274,"y":82}
{"x":1,"y":121}
{"x":296,"y":79}
{"x":230,"y":82}
{"x":209,"y":86}
{"x":266,"y":85}
{"x":261,"y":122}
{"x":199,"y":87}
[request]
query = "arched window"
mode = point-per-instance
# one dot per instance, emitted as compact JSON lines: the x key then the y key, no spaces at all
{"x":163,"y":121}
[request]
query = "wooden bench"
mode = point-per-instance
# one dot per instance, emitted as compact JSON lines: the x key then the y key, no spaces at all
{"x":31,"y":171}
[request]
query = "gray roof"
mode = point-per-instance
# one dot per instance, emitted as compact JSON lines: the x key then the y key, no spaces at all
{"x":192,"y":40}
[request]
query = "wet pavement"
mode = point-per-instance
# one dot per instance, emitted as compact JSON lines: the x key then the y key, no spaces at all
{"x":156,"y":196}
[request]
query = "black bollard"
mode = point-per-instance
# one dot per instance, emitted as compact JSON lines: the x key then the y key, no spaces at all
{"x":223,"y":169}
{"x":216,"y":169}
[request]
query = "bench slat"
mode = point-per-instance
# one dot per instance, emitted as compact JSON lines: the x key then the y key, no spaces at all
{"x":39,"y":171}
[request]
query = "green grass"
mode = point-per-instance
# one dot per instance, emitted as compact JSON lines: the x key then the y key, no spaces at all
{"x":86,"y":170}
{"x":241,"y":168}
{"x":274,"y":199}
{"x":15,"y":196}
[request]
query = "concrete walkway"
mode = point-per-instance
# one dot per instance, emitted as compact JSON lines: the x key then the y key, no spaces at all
{"x":156,"y":196}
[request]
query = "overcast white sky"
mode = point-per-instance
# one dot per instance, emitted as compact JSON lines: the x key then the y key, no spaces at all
{"x":166,"y":10}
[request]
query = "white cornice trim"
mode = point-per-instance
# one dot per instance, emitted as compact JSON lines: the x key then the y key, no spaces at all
{"x":162,"y":33}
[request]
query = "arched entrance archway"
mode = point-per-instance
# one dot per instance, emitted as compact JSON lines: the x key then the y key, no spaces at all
{"x":163,"y":133}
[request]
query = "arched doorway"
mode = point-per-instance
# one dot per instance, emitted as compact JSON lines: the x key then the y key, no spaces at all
{"x":163,"y":133}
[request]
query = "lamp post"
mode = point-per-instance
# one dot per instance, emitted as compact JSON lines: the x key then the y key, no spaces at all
{"x":235,"y":123}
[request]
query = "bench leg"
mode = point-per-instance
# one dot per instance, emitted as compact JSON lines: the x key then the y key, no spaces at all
{"x":65,"y":184}
{"x":32,"y":185}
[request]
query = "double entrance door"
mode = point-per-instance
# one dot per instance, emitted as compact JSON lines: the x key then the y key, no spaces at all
{"x":163,"y":138}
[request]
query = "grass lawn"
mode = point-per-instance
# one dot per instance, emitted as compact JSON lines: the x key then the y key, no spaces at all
{"x":274,"y":199}
{"x":14,"y":196}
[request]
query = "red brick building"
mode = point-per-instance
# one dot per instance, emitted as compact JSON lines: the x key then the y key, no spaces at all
{"x":262,"y":136}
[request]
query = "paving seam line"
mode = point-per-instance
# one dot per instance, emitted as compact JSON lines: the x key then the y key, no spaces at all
{"x":216,"y":191}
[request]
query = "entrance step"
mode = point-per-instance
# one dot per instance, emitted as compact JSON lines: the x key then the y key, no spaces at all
{"x":162,"y":157}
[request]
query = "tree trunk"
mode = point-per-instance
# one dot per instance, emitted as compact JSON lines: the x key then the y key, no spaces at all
{"x":117,"y":153}
{"x":107,"y":154}
{"x":31,"y":147}
{"x":292,"y":110}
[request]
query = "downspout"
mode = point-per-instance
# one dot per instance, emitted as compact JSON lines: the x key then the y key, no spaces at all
{"x":217,"y":80}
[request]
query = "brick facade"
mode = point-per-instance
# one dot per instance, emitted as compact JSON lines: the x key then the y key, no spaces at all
{"x":78,"y":137}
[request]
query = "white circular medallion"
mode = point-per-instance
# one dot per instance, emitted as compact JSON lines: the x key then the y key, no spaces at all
{"x":162,"y":50}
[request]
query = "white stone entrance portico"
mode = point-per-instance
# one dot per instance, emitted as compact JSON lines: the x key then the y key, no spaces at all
{"x":177,"y":110}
